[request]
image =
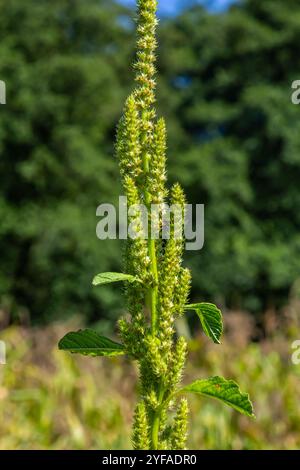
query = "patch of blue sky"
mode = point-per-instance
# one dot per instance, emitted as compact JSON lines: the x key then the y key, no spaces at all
{"x":172,"y":7}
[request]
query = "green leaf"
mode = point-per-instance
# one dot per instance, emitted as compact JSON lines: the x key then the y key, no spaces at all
{"x":90,"y":343}
{"x":211,"y":319}
{"x":107,"y":278}
{"x":224,"y":390}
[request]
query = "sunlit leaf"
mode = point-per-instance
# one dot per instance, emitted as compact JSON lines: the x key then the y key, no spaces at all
{"x":210,"y":318}
{"x":90,"y":343}
{"x":224,"y":390}
{"x":107,"y":278}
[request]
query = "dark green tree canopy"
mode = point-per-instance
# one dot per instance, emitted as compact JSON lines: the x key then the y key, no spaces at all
{"x":63,"y":65}
{"x":234,"y":141}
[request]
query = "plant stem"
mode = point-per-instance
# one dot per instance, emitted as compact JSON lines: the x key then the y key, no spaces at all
{"x":153,"y":290}
{"x":152,"y":294}
{"x":154,"y":431}
{"x":156,"y":420}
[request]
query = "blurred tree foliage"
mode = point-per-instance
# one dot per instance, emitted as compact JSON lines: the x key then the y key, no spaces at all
{"x":234,"y":142}
{"x":65,"y":64}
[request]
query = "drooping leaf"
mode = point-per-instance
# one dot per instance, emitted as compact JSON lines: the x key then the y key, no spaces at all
{"x":224,"y":390}
{"x":211,"y":319}
{"x":90,"y":343}
{"x":107,"y":278}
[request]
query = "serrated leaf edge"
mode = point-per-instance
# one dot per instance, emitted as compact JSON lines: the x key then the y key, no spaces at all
{"x":244,"y":395}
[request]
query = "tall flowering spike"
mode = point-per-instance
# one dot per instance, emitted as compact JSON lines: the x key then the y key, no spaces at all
{"x":182,"y":291}
{"x":128,"y":147}
{"x":157,"y":164}
{"x":170,"y":270}
{"x":140,"y":436}
{"x":137,"y":260}
{"x":148,"y":335}
{"x":178,"y":200}
{"x":179,"y":432}
{"x":158,"y":286}
{"x":145,"y":78}
{"x":131,"y":191}
{"x":176,"y":364}
{"x":148,"y":379}
{"x":154,"y":357}
{"x":146,"y":46}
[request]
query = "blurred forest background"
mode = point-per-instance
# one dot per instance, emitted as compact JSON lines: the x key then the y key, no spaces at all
{"x":224,"y":86}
